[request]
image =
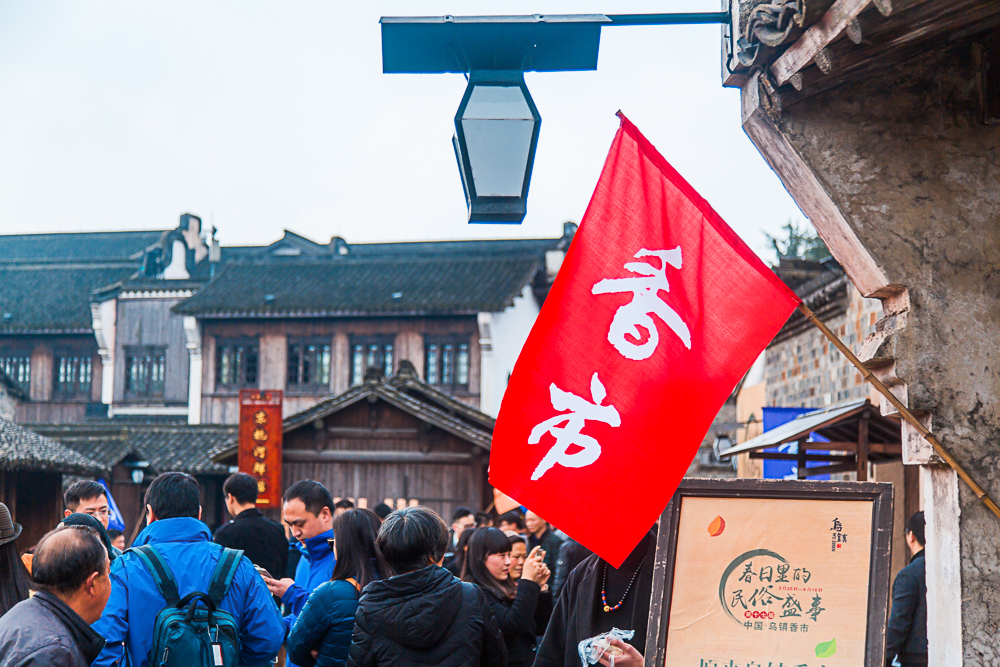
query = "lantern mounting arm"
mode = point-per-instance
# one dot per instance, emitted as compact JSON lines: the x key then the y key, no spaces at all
{"x":689,"y":18}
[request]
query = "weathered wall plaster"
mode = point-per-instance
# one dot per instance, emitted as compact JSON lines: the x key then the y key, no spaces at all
{"x":905,"y":158}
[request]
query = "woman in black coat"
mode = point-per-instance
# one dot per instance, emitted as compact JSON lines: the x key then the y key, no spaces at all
{"x":519,"y":606}
{"x":14,"y":581}
{"x":322,"y":632}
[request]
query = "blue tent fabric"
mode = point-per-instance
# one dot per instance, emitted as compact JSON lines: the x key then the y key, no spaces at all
{"x":773,"y":418}
{"x":116,"y":521}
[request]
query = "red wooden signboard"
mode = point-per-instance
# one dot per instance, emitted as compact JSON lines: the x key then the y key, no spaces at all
{"x":260,"y":442}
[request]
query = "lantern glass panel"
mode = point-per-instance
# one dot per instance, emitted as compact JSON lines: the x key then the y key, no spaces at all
{"x":498,"y":125}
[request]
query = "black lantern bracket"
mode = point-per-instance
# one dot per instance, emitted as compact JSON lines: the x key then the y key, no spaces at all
{"x":497,"y":123}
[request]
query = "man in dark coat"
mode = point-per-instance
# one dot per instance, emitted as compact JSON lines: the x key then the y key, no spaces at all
{"x":262,"y":540}
{"x":423,"y":615}
{"x":580,"y":613}
{"x":571,"y":554}
{"x":52,"y":629}
{"x":906,"y":634}
{"x":540,"y":535}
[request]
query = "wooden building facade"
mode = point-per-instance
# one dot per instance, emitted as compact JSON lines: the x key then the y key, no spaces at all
{"x":396,"y":440}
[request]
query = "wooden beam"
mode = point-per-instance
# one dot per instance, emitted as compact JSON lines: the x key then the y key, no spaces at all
{"x":349,"y":456}
{"x":771,"y":456}
{"x":863,"y":447}
{"x":828,"y":470}
{"x":801,"y":465}
{"x":819,"y":35}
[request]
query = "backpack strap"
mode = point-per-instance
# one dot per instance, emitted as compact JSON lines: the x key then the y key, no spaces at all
{"x":224,"y":573}
{"x":157,"y":567}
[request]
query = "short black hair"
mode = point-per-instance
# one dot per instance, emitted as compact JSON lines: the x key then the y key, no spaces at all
{"x":312,"y":494}
{"x":484,"y":520}
{"x":461,"y":513}
{"x":344,"y":503}
{"x":173,"y":495}
{"x":242,"y":487}
{"x":513,"y":517}
{"x":113,"y":533}
{"x":66,"y":557}
{"x":412,"y":538}
{"x":85,"y":489}
{"x":382,"y":510}
{"x":916,"y":526}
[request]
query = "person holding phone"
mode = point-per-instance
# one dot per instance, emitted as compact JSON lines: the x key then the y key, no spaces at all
{"x":521,"y":606}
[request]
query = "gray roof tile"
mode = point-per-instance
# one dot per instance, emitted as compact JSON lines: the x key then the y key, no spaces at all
{"x":350,"y":286}
{"x":54,"y":297}
{"x":23,"y":449}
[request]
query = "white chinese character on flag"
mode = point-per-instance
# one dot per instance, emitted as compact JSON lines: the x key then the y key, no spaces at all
{"x":581,"y":410}
{"x":646,"y":301}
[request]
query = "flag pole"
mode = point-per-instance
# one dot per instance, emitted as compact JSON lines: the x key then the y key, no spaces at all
{"x":903,"y":411}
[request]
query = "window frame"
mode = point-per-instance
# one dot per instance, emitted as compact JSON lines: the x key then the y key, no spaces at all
{"x":21,"y":354}
{"x":302,"y":341}
{"x":151,"y":353}
{"x":382,"y":341}
{"x":223,"y":344}
{"x":443,"y":369}
{"x":76,"y":389}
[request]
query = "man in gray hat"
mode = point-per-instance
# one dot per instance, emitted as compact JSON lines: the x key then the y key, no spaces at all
{"x":70,"y":571}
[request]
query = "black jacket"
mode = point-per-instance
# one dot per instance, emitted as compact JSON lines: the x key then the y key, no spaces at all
{"x":550,"y":543}
{"x":577,"y":614}
{"x":521,"y":619}
{"x":44,"y":632}
{"x":571,"y":554}
{"x":262,"y":540}
{"x":427,"y":617}
{"x":906,"y":634}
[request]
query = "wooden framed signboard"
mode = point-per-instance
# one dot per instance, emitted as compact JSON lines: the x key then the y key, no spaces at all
{"x":260,"y":442}
{"x":779,"y":573}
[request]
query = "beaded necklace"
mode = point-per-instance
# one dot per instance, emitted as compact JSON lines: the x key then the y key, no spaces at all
{"x":604,"y":586}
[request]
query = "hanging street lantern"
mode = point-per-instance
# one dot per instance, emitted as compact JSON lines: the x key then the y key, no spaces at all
{"x":496,"y":127}
{"x":496,"y":133}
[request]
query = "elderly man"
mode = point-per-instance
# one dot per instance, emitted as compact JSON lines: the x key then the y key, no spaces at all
{"x":70,"y":571}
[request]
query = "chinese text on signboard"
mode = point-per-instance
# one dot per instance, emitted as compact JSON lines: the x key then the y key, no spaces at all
{"x":260,"y":442}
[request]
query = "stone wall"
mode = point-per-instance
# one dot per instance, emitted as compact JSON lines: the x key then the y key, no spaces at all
{"x":806,"y":371}
{"x":906,"y":159}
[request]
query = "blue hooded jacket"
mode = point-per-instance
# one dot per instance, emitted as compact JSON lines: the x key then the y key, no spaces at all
{"x":186,"y":545}
{"x":314,"y":569}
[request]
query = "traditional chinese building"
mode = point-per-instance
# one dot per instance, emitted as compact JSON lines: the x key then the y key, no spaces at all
{"x":397,"y":440}
{"x":31,"y":471}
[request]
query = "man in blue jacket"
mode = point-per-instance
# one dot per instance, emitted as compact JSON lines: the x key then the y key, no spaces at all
{"x":177,"y":533}
{"x":308,"y":510}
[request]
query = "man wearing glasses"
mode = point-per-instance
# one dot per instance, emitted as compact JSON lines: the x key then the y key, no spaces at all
{"x":89,"y":497}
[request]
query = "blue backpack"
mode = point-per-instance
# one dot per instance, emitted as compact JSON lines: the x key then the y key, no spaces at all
{"x":186,"y":633}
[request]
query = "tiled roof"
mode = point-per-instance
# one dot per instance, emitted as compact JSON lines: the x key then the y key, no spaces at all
{"x":350,"y":286}
{"x":13,"y":388}
{"x":54,"y":297}
{"x":79,"y":247}
{"x":408,"y":393}
{"x":167,"y":447}
{"x":22,"y":449}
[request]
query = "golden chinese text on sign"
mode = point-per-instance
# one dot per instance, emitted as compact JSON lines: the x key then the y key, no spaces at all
{"x":260,"y":442}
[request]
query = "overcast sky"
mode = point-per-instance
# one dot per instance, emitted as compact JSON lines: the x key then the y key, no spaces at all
{"x":265,"y":116}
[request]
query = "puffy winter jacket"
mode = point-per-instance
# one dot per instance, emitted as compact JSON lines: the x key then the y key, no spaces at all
{"x":424,"y":618}
{"x":325,"y":625}
{"x":128,"y":619}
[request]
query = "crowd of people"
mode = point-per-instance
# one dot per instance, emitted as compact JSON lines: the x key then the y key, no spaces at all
{"x":341,"y":586}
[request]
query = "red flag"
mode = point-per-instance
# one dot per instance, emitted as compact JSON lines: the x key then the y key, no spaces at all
{"x":657,"y":312}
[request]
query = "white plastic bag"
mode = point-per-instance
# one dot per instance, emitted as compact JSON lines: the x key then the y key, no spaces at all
{"x":592,"y":649}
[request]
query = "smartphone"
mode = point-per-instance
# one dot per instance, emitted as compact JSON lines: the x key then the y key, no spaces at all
{"x":262,"y":572}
